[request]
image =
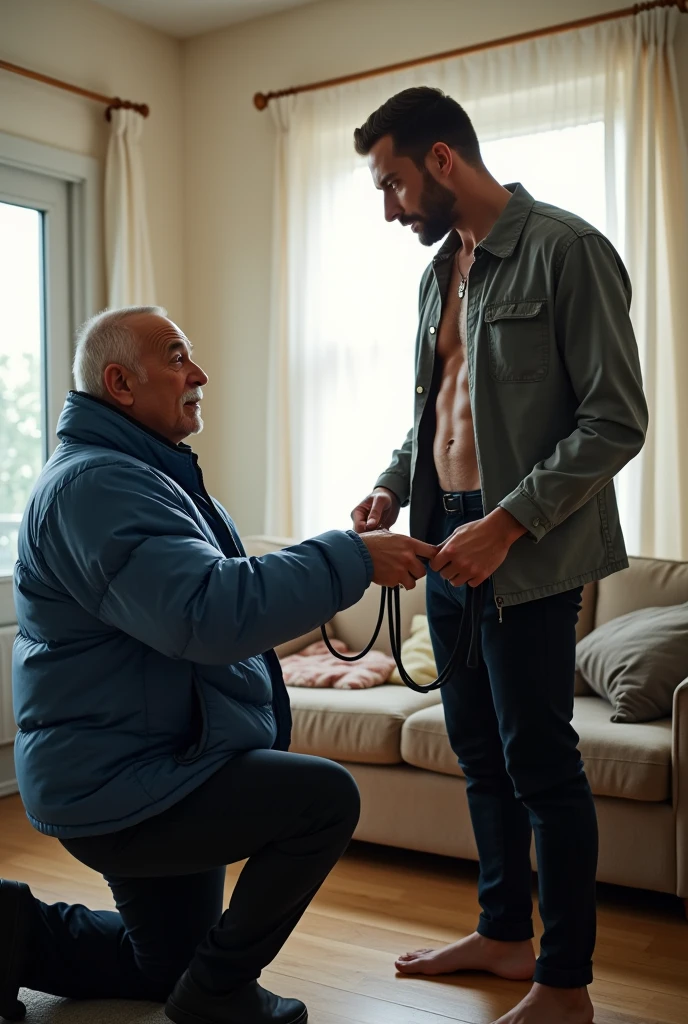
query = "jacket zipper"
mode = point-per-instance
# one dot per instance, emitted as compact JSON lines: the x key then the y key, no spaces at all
{"x":218,"y":519}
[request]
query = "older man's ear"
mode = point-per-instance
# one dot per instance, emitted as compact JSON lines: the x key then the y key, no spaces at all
{"x":116,"y":384}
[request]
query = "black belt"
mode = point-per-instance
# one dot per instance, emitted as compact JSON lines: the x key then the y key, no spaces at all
{"x":463,"y":502}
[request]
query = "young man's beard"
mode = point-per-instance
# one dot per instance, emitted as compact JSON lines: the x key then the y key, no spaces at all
{"x":438,"y":211}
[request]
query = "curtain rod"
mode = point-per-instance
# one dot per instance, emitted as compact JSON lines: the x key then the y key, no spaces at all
{"x":112,"y":102}
{"x":261,"y":99}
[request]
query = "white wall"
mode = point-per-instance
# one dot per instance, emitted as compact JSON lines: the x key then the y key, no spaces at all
{"x":208,"y":157}
{"x":229,"y":163}
{"x":88,"y":45}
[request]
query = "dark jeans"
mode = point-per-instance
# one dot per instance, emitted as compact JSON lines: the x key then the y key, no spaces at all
{"x":509,"y":724}
{"x":292,"y":816}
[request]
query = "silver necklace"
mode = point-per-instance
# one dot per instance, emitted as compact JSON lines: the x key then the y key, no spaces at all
{"x":462,"y":286}
{"x":464,"y":279}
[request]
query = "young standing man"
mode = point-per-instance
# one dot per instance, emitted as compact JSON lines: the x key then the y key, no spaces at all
{"x":528,"y":402}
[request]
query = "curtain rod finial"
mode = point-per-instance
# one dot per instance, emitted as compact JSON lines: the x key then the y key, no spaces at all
{"x":260,"y":101}
{"x":117,"y":104}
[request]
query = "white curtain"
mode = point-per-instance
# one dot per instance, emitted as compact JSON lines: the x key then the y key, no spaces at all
{"x":649,"y":207}
{"x":127,"y":247}
{"x":599,"y":109}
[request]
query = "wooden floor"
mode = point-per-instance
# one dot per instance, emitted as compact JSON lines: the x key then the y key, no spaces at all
{"x":379,"y":902}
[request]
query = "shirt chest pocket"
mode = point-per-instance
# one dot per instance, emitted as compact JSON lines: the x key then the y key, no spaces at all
{"x":518,"y":340}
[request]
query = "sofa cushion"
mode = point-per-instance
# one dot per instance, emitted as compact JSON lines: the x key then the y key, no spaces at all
{"x":316,"y":667}
{"x":647,"y":583}
{"x":629,"y":761}
{"x":362,"y":726}
{"x":637,"y":661}
{"x":417,"y":655}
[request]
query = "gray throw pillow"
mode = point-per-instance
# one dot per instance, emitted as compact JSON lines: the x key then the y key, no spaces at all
{"x":637,"y":661}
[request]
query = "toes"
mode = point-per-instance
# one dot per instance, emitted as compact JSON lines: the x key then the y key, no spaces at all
{"x":406,"y":968}
{"x":416,"y":953}
{"x":411,"y":963}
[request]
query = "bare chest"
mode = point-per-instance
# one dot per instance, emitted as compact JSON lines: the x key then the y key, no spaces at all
{"x":452,"y":332}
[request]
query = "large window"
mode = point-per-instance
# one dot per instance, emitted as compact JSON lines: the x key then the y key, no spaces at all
{"x":34,"y":336}
{"x":49,"y":282}
{"x":22,"y":431}
{"x":359,"y":396}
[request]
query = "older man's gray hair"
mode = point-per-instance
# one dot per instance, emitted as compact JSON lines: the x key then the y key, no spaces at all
{"x":107,"y":338}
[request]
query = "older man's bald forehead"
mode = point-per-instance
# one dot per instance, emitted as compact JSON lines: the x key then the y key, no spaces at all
{"x":154,"y":331}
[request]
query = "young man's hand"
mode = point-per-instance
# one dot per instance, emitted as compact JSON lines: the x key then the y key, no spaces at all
{"x":378,"y":511}
{"x":475,"y":550}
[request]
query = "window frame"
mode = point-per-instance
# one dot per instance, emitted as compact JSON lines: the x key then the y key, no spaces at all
{"x":85,"y":276}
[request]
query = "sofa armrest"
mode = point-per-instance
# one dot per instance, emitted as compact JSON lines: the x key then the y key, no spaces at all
{"x":679,"y":773}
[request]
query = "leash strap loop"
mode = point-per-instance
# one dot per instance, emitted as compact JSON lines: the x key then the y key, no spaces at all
{"x":467,"y":641}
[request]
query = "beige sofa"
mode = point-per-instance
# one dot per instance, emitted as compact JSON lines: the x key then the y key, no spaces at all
{"x":394,"y":742}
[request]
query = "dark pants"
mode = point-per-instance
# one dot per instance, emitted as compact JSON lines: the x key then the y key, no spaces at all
{"x":509,"y":723}
{"x":292,"y":816}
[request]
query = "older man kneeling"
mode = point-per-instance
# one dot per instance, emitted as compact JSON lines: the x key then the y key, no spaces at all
{"x":153,"y":720}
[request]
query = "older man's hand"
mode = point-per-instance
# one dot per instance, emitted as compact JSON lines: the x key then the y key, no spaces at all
{"x":396,"y":558}
{"x":475,"y":550}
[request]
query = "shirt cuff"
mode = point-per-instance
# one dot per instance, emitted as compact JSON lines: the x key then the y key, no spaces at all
{"x":522,"y":507}
{"x":397,"y":484}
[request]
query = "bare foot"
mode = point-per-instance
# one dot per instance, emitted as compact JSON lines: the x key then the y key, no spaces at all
{"x":546,"y":1005}
{"x":512,"y":960}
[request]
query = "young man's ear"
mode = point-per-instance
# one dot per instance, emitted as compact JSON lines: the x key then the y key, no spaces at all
{"x":442,"y":157}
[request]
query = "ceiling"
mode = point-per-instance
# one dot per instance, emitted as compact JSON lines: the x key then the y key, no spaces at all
{"x":185,"y":18}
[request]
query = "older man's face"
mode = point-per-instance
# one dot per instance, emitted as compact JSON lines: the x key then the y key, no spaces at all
{"x":168,"y":401}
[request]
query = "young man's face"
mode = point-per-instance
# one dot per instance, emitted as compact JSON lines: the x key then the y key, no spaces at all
{"x":412,"y":195}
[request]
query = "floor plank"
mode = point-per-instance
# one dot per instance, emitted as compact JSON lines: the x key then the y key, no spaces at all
{"x":379,"y":902}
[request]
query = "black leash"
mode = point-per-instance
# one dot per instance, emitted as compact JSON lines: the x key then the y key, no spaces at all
{"x":467,"y":642}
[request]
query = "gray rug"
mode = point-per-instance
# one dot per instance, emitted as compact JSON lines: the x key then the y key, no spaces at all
{"x":42,"y":1009}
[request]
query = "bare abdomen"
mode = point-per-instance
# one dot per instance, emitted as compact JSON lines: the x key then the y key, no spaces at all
{"x":456,"y":462}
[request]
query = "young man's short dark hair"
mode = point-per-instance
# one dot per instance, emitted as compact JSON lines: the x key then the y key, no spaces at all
{"x":416,"y":119}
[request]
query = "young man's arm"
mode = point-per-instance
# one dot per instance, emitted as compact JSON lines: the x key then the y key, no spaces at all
{"x":596,"y":338}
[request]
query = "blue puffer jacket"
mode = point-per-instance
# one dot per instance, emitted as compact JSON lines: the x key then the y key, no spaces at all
{"x":139,"y":666}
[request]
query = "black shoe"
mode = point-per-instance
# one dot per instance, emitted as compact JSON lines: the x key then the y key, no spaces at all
{"x":249,"y":1004}
{"x":15,"y":917}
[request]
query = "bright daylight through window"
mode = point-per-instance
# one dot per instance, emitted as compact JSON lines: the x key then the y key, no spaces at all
{"x":362,"y":406}
{"x":21,"y":409}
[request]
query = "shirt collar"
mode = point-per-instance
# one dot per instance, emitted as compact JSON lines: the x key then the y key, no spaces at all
{"x":506,"y":231}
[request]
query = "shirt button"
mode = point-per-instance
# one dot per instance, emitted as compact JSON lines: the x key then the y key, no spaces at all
{"x":536,"y":522}
{"x":419,"y":390}
{"x":432,"y":330}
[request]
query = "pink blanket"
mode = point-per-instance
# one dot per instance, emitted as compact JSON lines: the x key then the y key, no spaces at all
{"x":315,"y":666}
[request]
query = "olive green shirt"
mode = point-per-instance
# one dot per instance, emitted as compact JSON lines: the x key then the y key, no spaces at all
{"x":555,"y":390}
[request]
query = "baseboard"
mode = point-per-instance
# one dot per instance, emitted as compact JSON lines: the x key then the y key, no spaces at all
{"x":8,"y":788}
{"x":8,"y":783}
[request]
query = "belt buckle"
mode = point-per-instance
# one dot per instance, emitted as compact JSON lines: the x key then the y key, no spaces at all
{"x":454,"y":497}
